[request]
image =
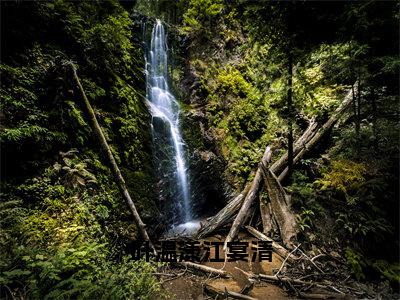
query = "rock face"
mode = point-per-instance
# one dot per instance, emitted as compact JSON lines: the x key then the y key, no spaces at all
{"x":210,"y":190}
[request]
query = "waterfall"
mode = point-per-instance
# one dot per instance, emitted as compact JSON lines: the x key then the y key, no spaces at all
{"x":165,"y":124}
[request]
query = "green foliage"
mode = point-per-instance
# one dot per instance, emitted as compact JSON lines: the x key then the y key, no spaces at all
{"x":85,"y":272}
{"x":74,"y":171}
{"x":305,"y":219}
{"x":356,"y":262}
{"x":241,"y":116}
{"x":339,"y":62}
{"x":344,"y":176}
{"x":305,"y":200}
{"x":59,"y":248}
{"x":389,"y":271}
{"x":200,"y":14}
{"x":128,"y":279}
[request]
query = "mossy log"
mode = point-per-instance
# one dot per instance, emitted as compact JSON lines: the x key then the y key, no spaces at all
{"x":98,"y":133}
{"x":279,"y":165}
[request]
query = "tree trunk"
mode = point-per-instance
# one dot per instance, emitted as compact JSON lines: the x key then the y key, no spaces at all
{"x":248,"y":201}
{"x":205,"y":269}
{"x":226,"y":294}
{"x":358,"y":119}
{"x":374,"y":113}
{"x":355,"y":115}
{"x":114,"y":167}
{"x":290,"y":116}
{"x":278,"y":166}
{"x":308,"y":139}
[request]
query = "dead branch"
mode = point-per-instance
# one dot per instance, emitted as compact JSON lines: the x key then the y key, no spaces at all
{"x":284,"y":261}
{"x":206,"y":269}
{"x":324,"y":296}
{"x":306,"y":256}
{"x":278,"y":249}
{"x":218,"y":294}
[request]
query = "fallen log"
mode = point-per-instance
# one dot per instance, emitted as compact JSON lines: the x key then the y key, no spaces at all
{"x":278,"y":249}
{"x":321,"y":131}
{"x":224,"y":216}
{"x":248,"y":201}
{"x":301,"y":146}
{"x":205,"y":269}
{"x":279,"y":206}
{"x":279,"y":165}
{"x":98,"y":133}
{"x":227,"y":214}
{"x":218,"y":294}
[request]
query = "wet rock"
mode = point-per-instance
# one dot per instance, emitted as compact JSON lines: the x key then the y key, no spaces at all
{"x":196,"y":114}
{"x":210,"y":189}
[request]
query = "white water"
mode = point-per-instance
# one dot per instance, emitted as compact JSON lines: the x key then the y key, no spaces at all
{"x":165,"y":107}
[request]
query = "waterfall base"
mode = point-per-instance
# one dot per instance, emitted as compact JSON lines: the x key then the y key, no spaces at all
{"x":187,"y":229}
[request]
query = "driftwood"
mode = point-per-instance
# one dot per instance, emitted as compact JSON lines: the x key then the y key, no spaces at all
{"x":98,"y":133}
{"x":248,"y":201}
{"x":280,"y":209}
{"x":218,"y":294}
{"x":278,"y":249}
{"x":206,"y":269}
{"x":321,"y":131}
{"x":224,"y":216}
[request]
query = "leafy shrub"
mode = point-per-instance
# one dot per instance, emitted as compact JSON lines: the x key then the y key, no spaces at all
{"x":344,"y":176}
{"x":356,"y":262}
{"x":390,"y":271}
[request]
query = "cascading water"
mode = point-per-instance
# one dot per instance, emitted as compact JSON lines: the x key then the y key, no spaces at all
{"x":167,"y":139}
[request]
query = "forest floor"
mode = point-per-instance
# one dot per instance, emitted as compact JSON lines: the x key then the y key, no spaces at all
{"x":183,"y":283}
{"x":188,"y":285}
